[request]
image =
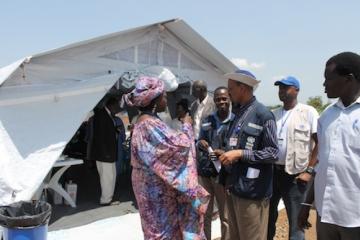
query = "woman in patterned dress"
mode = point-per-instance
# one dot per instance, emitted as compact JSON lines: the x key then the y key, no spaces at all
{"x":171,"y":202}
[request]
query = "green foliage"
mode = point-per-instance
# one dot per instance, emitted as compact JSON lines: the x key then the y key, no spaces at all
{"x":274,"y":107}
{"x":317,"y":103}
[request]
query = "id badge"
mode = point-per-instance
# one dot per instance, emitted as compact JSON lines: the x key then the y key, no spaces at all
{"x":233,"y":142}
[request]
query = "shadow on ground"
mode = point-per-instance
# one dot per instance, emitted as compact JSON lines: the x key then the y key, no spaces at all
{"x":88,"y":209}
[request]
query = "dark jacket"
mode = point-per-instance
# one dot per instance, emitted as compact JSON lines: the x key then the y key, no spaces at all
{"x":209,"y":132}
{"x":103,"y":143}
{"x":241,"y":183}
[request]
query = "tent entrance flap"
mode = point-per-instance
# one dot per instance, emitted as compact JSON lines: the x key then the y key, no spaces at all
{"x":45,"y":98}
{"x":35,"y":130}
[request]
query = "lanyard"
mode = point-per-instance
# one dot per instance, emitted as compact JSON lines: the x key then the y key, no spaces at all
{"x":283,"y":121}
{"x":241,"y":121}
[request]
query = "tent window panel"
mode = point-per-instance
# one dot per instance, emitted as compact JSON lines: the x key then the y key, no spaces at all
{"x":127,"y":55}
{"x":170,"y":56}
{"x":186,"y":63}
{"x":148,"y":53}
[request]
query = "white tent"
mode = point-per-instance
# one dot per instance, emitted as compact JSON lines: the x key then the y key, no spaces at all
{"x":44,"y":98}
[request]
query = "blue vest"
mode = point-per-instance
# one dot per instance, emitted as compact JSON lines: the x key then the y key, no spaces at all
{"x":250,"y":137}
{"x":205,"y":167}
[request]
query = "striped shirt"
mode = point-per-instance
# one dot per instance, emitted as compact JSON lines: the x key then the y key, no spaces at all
{"x":268,"y":150}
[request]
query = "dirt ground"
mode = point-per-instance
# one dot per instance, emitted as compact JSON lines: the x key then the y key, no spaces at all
{"x":282,"y":226}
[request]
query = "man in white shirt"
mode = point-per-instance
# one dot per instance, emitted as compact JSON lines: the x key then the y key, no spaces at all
{"x":202,"y":107}
{"x":296,"y":133}
{"x":337,"y":180}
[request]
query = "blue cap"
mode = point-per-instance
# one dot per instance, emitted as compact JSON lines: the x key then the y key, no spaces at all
{"x":244,"y":77}
{"x":289,"y":81}
{"x":246,"y":73}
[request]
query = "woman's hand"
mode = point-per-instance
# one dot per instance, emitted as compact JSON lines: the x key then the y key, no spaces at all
{"x":203,"y":144}
{"x":186,"y":119}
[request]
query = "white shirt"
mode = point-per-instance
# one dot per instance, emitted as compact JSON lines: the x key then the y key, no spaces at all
{"x":282,"y":127}
{"x":337,"y":182}
{"x":197,"y":116}
{"x":176,"y":124}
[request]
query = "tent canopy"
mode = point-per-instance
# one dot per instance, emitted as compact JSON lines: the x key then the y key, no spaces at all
{"x":45,"y":97}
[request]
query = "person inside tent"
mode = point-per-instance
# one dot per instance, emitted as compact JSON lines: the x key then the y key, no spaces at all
{"x":103,"y":147}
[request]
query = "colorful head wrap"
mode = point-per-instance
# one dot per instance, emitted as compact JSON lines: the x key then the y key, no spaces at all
{"x":146,"y":90}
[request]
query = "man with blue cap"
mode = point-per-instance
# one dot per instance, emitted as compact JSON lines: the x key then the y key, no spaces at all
{"x":297,"y":141}
{"x":250,"y":150}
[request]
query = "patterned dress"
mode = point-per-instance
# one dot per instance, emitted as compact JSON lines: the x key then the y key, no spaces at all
{"x":171,"y":202}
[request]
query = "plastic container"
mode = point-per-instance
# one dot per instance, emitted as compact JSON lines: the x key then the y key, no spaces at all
{"x":57,"y":198}
{"x":25,"y":220}
{"x":30,"y":233}
{"x":71,"y":189}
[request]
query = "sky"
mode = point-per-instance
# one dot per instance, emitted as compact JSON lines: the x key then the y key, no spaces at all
{"x":272,"y":39}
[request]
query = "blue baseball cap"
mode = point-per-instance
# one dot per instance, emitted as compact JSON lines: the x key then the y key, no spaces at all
{"x":289,"y":81}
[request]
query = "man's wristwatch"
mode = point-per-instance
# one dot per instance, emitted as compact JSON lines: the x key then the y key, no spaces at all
{"x":310,"y":170}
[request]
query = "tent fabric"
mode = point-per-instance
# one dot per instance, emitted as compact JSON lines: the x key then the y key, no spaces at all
{"x":44,"y":98}
{"x":6,"y":72}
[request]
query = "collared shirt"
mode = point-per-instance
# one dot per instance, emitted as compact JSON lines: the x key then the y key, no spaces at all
{"x":269,"y":151}
{"x":218,"y":134}
{"x":337,"y":182}
{"x":197,"y":116}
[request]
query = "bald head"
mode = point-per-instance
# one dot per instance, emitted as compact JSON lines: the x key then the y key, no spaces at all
{"x":199,"y":83}
{"x":199,"y":89}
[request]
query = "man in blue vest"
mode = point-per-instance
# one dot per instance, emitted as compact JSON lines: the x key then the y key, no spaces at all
{"x":251,"y":150}
{"x":212,"y":133}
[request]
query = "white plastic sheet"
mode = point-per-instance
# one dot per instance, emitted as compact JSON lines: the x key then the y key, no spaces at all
{"x":45,"y":98}
{"x":124,"y":227}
